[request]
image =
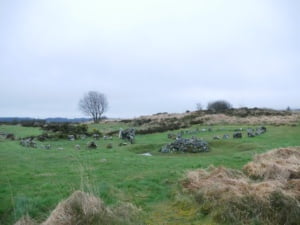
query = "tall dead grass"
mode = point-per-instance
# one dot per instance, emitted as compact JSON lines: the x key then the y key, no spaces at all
{"x":79,"y":208}
{"x":25,"y":220}
{"x":233,"y":197}
{"x":215,"y":119}
{"x":283,"y":163}
{"x":85,"y":209}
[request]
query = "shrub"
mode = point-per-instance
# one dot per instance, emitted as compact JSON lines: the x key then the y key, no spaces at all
{"x":65,"y":129}
{"x":32,"y":123}
{"x":219,"y":105}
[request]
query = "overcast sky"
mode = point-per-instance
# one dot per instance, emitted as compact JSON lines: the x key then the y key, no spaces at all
{"x":147,"y":56}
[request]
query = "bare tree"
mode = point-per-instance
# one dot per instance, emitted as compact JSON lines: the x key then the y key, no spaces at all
{"x":93,"y":104}
{"x":199,"y":106}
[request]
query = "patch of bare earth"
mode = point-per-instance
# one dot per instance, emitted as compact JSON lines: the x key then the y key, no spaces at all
{"x":234,"y":197}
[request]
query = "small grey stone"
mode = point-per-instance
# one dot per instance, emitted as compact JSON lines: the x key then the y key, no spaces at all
{"x":226,"y":136}
{"x":237,"y":135}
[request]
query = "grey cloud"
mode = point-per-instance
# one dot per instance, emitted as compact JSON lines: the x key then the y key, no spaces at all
{"x":147,"y":56}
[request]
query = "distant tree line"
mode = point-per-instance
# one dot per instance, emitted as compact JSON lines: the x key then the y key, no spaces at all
{"x":31,"y":122}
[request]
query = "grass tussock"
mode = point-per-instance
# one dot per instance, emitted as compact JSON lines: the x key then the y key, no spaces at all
{"x":82,"y":209}
{"x":283,"y":163}
{"x":25,"y":220}
{"x":233,"y":197}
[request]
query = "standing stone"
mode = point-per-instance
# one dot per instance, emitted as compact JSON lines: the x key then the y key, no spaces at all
{"x":128,"y":134}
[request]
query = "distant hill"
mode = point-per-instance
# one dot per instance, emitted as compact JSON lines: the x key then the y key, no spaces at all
{"x":47,"y":120}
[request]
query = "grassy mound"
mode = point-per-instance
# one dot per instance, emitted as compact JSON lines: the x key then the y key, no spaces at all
{"x":231,"y":196}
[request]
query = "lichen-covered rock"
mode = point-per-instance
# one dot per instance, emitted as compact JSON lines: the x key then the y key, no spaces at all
{"x":192,"y":145}
{"x":92,"y":145}
{"x":226,"y":136}
{"x":29,"y":142}
{"x":251,"y":132}
{"x":261,"y":130}
{"x":258,"y":131}
{"x":128,"y":134}
{"x":71,"y":137}
{"x":237,"y":135}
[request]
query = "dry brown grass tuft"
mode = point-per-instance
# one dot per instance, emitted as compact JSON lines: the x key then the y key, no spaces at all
{"x":82,"y":209}
{"x":221,"y":183}
{"x":79,"y":208}
{"x":217,"y":182}
{"x":25,"y":220}
{"x":283,"y":163}
{"x":232,"y":197}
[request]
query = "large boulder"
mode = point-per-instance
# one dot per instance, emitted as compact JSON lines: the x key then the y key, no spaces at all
{"x":128,"y":134}
{"x":192,"y":145}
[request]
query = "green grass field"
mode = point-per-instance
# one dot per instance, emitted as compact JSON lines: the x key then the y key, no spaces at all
{"x":33,"y":181}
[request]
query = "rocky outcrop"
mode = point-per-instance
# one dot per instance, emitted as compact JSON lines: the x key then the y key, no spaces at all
{"x":192,"y":145}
